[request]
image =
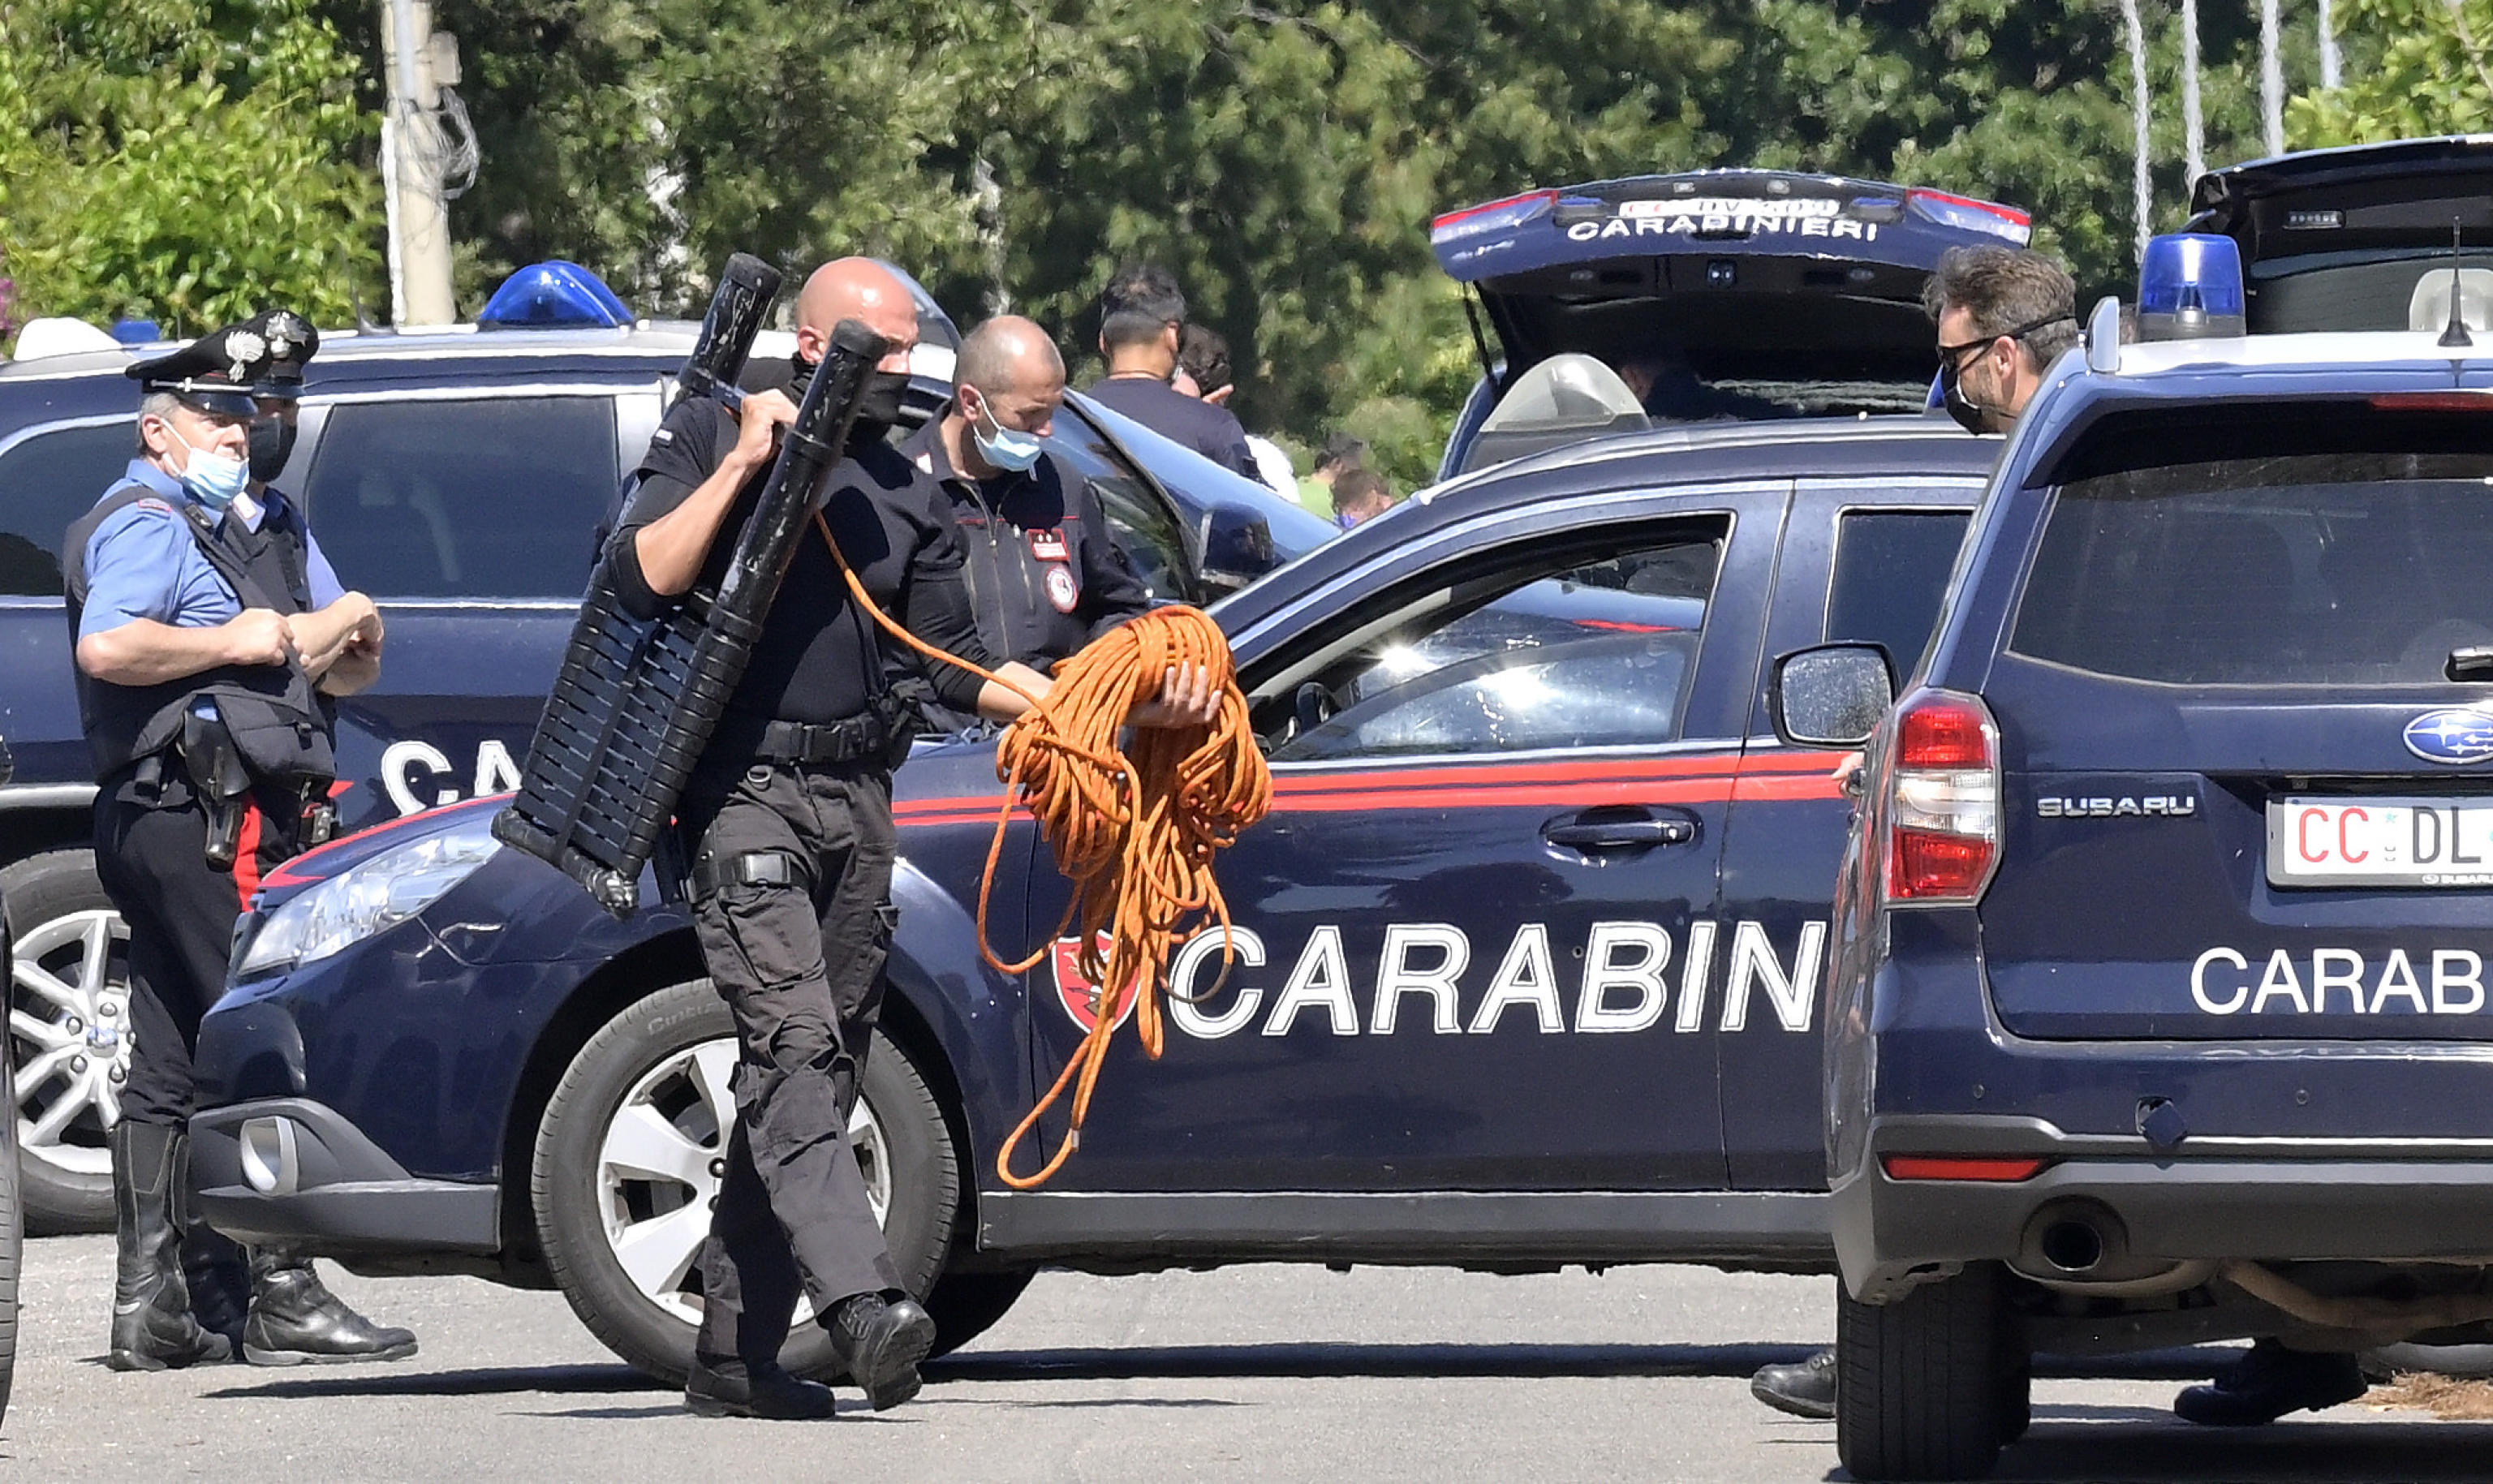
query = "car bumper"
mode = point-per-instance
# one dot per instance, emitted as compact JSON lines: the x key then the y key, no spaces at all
{"x":2216,"y":1199}
{"x":294,"y":1173}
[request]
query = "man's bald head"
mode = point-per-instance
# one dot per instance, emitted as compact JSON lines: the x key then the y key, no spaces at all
{"x":1008,"y":379}
{"x":1009,"y":355}
{"x":861,"y":290}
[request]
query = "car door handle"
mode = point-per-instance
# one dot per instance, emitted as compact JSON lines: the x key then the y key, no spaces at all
{"x":1619,"y":834}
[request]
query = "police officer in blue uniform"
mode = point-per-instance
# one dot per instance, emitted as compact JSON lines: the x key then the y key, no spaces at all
{"x":210,"y":635}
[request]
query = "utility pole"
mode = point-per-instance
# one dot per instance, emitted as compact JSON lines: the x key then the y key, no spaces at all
{"x":2271,"y":80}
{"x":2194,"y":128}
{"x":2134,"y":33}
{"x":419,"y":63}
{"x":2331,"y":69}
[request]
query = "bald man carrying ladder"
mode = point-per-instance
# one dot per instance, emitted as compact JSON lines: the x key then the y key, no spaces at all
{"x":786,"y":822}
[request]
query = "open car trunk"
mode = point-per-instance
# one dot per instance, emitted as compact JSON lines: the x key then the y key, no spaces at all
{"x":2358,"y":238}
{"x":1719,"y":294}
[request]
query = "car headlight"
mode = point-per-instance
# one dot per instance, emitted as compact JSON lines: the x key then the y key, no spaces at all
{"x":369,"y":896}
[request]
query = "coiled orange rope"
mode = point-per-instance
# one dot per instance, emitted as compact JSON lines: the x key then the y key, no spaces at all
{"x":1135,"y":827}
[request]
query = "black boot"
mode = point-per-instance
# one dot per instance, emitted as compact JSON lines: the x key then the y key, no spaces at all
{"x":732,"y":1388}
{"x":880,"y":1337}
{"x":152,"y":1328}
{"x":2268,"y":1382}
{"x":1806,"y":1390}
{"x":294,"y":1320}
{"x":219,"y":1276}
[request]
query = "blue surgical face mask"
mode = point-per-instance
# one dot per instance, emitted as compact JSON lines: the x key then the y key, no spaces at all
{"x":1006,"y":448}
{"x":213,"y":477}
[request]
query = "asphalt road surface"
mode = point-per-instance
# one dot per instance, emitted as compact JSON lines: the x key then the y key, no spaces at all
{"x":1261,"y":1373}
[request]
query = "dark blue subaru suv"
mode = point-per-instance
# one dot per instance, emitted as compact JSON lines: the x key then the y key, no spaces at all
{"x":2157,"y":1007}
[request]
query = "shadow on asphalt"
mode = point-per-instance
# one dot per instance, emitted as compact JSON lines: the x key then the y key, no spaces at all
{"x":1198,"y":1362}
{"x":1519,"y":1361}
{"x":563,"y":1381}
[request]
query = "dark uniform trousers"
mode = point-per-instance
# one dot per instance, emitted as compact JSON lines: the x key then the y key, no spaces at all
{"x":151,"y":853}
{"x":800,"y":967}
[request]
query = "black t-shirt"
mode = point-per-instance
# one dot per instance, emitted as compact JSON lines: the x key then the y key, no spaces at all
{"x":1210,"y":431}
{"x":1045,"y":572}
{"x":820,"y":658}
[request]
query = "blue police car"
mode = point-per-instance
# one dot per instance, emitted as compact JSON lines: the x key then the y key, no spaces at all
{"x":1710,"y":294}
{"x":2158,"y":1011}
{"x":457,"y":476}
{"x":1529,"y":949}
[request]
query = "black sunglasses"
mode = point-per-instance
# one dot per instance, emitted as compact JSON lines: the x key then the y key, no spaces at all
{"x":1952,"y":357}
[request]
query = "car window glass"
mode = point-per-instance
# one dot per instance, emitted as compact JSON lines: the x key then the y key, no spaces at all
{"x":1142,"y":527}
{"x":1595,"y":653}
{"x":46,"y":482}
{"x":2361,"y":568}
{"x":462,"y":499}
{"x":1891,"y":569}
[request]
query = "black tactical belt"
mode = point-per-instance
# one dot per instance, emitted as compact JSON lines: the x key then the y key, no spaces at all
{"x":754,"y":867}
{"x":866,"y":735}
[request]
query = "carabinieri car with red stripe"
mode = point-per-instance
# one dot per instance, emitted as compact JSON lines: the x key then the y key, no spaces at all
{"x":1528,"y":952}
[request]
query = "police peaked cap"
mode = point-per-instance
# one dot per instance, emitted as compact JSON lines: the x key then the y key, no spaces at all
{"x":227,"y":371}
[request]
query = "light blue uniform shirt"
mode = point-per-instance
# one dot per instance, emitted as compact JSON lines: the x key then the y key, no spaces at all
{"x":143,"y":563}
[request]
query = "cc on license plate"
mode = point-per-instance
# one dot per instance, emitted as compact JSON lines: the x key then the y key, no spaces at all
{"x":2385,"y":842}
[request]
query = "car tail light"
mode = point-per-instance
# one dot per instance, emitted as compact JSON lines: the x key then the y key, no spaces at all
{"x":1961,"y":1166}
{"x":2478,"y":401}
{"x":1942,"y":800}
{"x":1492,"y":216}
{"x":1963,"y":211}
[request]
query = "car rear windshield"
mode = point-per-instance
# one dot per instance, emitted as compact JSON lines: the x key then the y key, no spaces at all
{"x":2330,"y":545}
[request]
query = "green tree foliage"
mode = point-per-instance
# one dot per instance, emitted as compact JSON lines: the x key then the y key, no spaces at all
{"x":189,"y":160}
{"x":1284,"y":157}
{"x":2434,"y":75}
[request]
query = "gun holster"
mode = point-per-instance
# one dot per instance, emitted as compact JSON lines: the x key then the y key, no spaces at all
{"x":221,"y":782}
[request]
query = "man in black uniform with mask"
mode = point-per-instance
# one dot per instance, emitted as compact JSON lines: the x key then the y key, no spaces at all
{"x":209,"y":634}
{"x":787,"y":825}
{"x":1044,"y":573}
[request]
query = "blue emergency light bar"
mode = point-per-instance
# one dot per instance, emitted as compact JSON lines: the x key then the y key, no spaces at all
{"x":136,"y":332}
{"x":554,"y":295}
{"x":2190,"y":287}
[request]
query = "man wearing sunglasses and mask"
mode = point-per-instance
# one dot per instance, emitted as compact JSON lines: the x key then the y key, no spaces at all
{"x":2004,"y":315}
{"x":1044,"y":574}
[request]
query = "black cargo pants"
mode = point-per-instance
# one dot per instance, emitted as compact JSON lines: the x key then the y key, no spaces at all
{"x":151,"y":854}
{"x":799,"y":962}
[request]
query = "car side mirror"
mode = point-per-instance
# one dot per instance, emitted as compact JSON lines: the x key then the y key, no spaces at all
{"x":1237,"y":545}
{"x":1832,"y":695}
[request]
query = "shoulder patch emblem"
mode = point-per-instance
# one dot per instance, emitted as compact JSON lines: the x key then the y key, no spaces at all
{"x":151,"y":502}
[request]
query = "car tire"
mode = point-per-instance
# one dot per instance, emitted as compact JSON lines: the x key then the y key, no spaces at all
{"x":1919,"y":1389}
{"x":967,"y":1305}
{"x":622,"y":1241}
{"x":56,"y":903}
{"x":13,"y":1226}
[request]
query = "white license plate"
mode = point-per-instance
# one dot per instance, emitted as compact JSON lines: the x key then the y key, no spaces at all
{"x":2385,"y":841}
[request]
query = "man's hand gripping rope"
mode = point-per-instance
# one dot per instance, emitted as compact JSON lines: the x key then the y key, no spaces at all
{"x":1134,"y":827}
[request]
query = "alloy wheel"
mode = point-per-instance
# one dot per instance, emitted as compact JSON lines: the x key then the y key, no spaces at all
{"x":69,"y":1035}
{"x":662,"y":1160}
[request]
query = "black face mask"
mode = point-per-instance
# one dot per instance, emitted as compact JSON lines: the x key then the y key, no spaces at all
{"x":1969,"y":415}
{"x":879,"y":401}
{"x":272,"y":440}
